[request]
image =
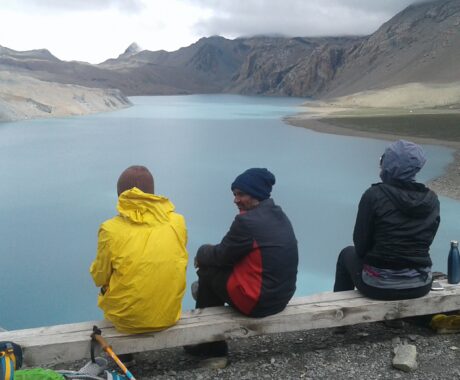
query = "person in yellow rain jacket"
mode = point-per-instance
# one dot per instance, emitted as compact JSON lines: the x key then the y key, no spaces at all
{"x":141,"y":258}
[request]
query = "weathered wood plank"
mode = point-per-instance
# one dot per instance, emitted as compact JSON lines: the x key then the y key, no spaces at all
{"x":188,"y":317}
{"x":72,"y":341}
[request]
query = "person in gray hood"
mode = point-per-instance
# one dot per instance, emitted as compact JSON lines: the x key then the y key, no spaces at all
{"x":396,"y":223}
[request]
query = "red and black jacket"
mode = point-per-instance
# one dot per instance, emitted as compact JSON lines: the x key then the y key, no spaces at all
{"x":262,"y":249}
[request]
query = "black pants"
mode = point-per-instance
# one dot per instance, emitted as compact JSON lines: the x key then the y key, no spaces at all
{"x":348,"y":275}
{"x":212,"y":291}
{"x":212,"y":286}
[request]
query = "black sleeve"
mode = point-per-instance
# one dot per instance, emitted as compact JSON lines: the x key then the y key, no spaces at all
{"x":363,"y":234}
{"x":236,"y":244}
{"x":438,"y":217}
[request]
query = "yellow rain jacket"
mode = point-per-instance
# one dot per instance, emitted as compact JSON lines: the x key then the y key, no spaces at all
{"x":141,"y":262}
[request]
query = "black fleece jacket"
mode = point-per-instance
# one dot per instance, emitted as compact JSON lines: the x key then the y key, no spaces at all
{"x":396,"y":224}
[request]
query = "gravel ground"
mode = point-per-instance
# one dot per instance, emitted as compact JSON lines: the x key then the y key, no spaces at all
{"x":362,"y":352}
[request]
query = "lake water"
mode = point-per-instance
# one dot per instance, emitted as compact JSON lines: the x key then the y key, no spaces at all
{"x":58,"y":183}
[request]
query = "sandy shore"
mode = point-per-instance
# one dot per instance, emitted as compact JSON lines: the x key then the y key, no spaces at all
{"x":448,"y":184}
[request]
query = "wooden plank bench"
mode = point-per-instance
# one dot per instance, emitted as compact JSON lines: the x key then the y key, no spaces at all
{"x":70,"y":342}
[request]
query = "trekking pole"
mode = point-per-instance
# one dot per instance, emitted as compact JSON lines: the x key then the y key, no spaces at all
{"x":96,"y":335}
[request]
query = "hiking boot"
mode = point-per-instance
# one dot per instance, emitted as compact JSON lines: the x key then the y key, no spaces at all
{"x":208,"y":350}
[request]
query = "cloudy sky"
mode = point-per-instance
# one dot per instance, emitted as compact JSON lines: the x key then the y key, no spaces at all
{"x":95,"y":30}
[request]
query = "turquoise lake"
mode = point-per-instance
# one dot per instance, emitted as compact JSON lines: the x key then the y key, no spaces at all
{"x":58,"y":183}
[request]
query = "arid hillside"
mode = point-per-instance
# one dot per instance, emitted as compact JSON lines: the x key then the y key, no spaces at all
{"x":406,"y":97}
{"x":420,"y":44}
{"x":23,"y":97}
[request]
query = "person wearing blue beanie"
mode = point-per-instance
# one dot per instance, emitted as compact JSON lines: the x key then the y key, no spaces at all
{"x":255,"y":182}
{"x":252,"y":187}
{"x":254,"y":267}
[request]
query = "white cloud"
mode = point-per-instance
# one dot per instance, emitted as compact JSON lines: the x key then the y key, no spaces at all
{"x":96,"y":35}
{"x":297,"y":17}
{"x":74,"y":5}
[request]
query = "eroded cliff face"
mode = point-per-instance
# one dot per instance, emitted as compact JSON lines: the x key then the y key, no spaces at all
{"x":290,"y":67}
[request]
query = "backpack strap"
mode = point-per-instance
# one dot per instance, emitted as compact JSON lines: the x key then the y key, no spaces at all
{"x":7,"y":362}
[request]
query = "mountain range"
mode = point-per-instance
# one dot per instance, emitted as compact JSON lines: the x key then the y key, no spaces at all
{"x":421,"y":44}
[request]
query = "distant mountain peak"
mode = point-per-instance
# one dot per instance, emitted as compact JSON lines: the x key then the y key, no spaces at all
{"x":132,"y":49}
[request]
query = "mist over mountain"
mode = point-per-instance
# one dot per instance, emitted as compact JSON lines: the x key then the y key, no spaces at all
{"x":420,"y":44}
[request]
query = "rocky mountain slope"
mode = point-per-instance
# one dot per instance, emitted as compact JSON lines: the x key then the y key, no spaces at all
{"x":290,"y":67}
{"x":420,"y":44}
{"x":23,"y":97}
{"x":259,"y":65}
{"x":204,"y":67}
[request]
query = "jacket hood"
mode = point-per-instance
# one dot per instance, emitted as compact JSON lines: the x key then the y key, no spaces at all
{"x":140,"y":207}
{"x":402,"y":160}
{"x":411,"y":198}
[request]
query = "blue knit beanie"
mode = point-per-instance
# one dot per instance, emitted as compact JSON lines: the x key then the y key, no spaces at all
{"x":256,"y":182}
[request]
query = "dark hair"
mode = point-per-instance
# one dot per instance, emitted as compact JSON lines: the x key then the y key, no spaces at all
{"x":136,"y":176}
